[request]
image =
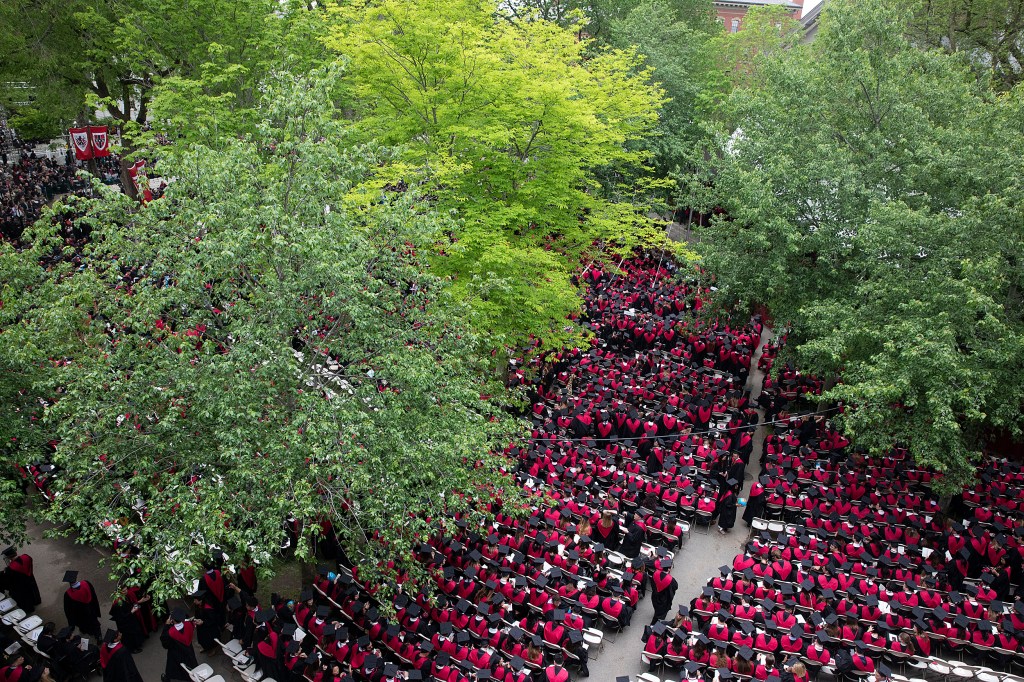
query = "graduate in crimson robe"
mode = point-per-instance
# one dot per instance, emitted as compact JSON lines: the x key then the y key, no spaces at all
{"x":663,"y":590}
{"x":133,"y":614}
{"x":81,"y":605}
{"x":20,"y":581}
{"x":177,"y":639}
{"x":17,"y":671}
{"x":116,"y":660}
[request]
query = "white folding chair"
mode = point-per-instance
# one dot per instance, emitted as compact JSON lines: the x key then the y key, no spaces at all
{"x":27,"y":625}
{"x":200,"y":673}
{"x":12,"y":618}
{"x":232,"y":649}
{"x":595,"y":642}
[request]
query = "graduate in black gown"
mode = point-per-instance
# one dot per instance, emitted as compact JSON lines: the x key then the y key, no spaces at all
{"x":176,"y":637}
{"x":663,"y":589}
{"x":726,"y":506}
{"x":116,"y":660}
{"x":133,"y":614}
{"x":20,"y":581}
{"x":81,"y":605}
{"x":755,"y":500}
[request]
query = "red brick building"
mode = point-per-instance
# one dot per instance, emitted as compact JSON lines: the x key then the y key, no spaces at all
{"x":731,"y":12}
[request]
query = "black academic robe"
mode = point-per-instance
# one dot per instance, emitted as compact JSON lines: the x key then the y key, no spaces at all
{"x":179,"y":650}
{"x":213,"y":623}
{"x":118,"y":665}
{"x":755,"y":504}
{"x":82,"y":608}
{"x":663,"y":592}
{"x":21,"y":673}
{"x":268,"y":654}
{"x":128,"y":624}
{"x":727,"y":510}
{"x":632,"y":542}
{"x":21,"y":583}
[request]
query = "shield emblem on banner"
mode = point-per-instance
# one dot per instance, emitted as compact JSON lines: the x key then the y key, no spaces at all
{"x":81,"y":140}
{"x":99,"y":141}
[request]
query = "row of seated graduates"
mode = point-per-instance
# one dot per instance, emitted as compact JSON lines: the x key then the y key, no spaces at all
{"x":874,"y":517}
{"x":479,"y":620}
{"x":877,"y":617}
{"x":996,"y":500}
{"x":624,"y":415}
{"x":599,"y":481}
{"x":67,"y":655}
{"x":889,"y":498}
{"x":501,"y":604}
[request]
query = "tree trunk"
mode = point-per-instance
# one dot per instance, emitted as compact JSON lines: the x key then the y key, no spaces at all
{"x":127,"y":183}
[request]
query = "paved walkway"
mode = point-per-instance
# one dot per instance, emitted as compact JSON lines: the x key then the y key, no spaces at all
{"x":697,"y":561}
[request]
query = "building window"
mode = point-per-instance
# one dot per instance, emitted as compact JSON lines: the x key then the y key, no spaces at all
{"x":735,"y":25}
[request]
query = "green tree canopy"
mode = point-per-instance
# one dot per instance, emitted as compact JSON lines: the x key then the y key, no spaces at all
{"x":252,"y":347}
{"x":508,"y":125}
{"x":990,"y":33}
{"x":872,"y":202}
{"x":678,"y":49}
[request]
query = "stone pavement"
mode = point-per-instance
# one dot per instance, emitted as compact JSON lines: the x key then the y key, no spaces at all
{"x":698,"y":560}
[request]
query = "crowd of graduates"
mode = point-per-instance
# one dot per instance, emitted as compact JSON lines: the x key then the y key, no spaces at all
{"x":27,"y":185}
{"x":854,"y":565}
{"x":635,"y":439}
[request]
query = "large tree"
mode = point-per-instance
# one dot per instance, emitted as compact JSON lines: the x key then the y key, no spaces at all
{"x":990,"y":33}
{"x":80,"y":56}
{"x":872,"y":201}
{"x":254,"y":346}
{"x":509,"y":125}
{"x":679,"y":49}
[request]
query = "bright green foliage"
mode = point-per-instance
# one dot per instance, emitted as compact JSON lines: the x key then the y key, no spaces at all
{"x":183,"y":389}
{"x":874,"y":204}
{"x":988,"y":32}
{"x":506,"y":124}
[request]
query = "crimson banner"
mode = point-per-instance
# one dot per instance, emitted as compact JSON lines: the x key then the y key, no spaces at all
{"x":99,"y":140}
{"x":80,"y":143}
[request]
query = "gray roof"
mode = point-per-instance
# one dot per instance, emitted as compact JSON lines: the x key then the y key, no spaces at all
{"x":811,"y":16}
{"x":757,"y":3}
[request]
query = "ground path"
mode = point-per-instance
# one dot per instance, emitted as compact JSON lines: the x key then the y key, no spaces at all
{"x":698,"y":560}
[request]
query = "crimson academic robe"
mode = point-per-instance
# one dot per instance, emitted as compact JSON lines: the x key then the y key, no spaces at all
{"x":82,"y":608}
{"x":20,"y":673}
{"x":118,"y":665}
{"x":663,"y":592}
{"x":21,"y":583}
{"x":179,"y":650}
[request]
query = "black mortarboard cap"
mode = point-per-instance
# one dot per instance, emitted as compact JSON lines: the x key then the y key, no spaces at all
{"x":70,"y":577}
{"x":109,"y":636}
{"x":178,"y":615}
{"x":390,"y":670}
